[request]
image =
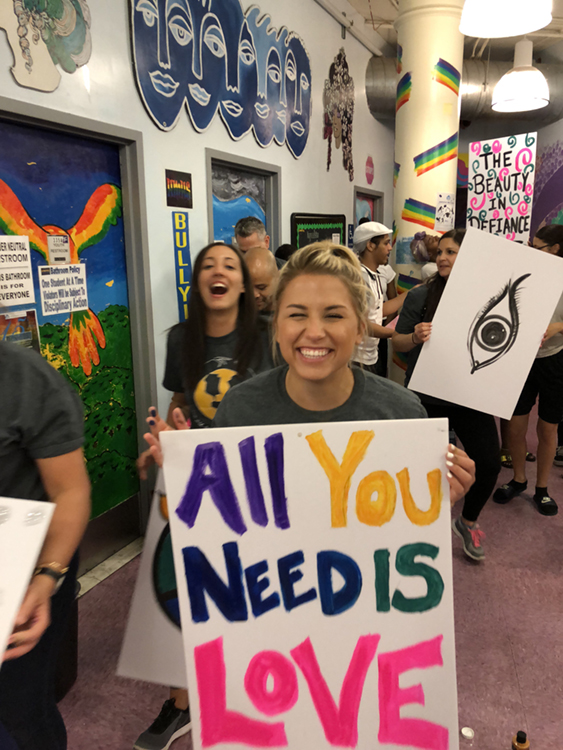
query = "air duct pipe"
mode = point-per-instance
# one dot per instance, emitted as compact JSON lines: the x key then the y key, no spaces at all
{"x":478,"y":82}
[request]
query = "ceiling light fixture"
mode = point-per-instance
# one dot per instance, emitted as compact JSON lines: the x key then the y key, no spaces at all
{"x":523,"y":88}
{"x":492,"y":19}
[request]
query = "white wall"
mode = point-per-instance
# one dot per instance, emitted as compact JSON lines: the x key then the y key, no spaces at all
{"x":306,"y":186}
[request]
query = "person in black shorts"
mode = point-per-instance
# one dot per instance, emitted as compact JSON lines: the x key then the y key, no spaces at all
{"x":546,"y":381}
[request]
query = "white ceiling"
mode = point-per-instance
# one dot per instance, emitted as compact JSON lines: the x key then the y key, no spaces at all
{"x":380,"y":15}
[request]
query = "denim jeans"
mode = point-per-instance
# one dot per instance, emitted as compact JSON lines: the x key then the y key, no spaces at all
{"x":28,"y":709}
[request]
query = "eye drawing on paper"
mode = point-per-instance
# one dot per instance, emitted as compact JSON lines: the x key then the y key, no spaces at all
{"x":495,"y":327}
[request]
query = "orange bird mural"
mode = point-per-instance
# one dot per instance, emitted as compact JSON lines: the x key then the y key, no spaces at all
{"x":101,"y":211}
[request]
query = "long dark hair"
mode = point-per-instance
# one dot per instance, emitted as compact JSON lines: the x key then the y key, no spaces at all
{"x":436,"y":284}
{"x":552,"y":234}
{"x":247,"y":349}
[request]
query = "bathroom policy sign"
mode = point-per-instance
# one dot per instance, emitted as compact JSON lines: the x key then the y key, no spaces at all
{"x":314,"y":575}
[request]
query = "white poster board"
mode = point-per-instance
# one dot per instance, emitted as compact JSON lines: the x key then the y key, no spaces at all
{"x":16,"y":279}
{"x":63,"y":288}
{"x":23,"y":526}
{"x":501,"y":185}
{"x":489,"y":325}
{"x":316,"y":603}
{"x":152,"y":647}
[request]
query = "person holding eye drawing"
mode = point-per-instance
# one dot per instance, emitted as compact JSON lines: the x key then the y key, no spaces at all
{"x":545,"y":381}
{"x":476,"y":430}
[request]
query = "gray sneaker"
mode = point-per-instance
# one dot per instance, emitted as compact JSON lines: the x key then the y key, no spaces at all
{"x":471,"y":538}
{"x":558,"y":460}
{"x":170,"y":724}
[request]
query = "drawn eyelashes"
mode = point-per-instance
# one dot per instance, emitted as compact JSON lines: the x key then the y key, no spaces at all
{"x":495,"y":328}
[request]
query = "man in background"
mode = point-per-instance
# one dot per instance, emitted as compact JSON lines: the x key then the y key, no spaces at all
{"x":264,"y":273}
{"x":250,"y":232}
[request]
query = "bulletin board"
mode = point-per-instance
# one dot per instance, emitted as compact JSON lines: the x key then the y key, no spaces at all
{"x":308,"y":228}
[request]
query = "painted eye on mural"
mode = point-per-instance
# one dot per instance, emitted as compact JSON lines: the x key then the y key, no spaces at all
{"x":214,"y":39}
{"x":304,"y":82}
{"x":291,"y":68}
{"x":181,"y":30}
{"x":274,"y":72}
{"x":495,"y":328}
{"x":149,"y":13}
{"x":246,"y":52}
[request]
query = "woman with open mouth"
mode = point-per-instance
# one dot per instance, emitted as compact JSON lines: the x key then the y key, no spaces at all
{"x":221,"y":343}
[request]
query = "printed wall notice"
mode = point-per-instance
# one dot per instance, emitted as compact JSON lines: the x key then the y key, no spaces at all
{"x":501,"y":186}
{"x":314,"y":577}
{"x":16,"y":280}
{"x":63,"y":288}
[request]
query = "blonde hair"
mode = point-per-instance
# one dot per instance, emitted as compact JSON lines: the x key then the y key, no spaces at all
{"x":325,"y":259}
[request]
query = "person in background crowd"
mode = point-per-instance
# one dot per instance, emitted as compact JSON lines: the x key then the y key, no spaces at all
{"x":320,"y":310}
{"x":250,"y":232}
{"x":558,"y":460}
{"x":545,"y":381}
{"x":375,"y":253}
{"x":221,"y":343}
{"x":284,"y":252}
{"x":424,"y":248}
{"x":372,"y":245}
{"x":476,"y":430}
{"x":264,"y":274}
{"x":41,"y":436}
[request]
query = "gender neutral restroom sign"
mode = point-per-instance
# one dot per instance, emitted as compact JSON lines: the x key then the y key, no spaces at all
{"x":16,"y":280}
{"x":313,"y":565}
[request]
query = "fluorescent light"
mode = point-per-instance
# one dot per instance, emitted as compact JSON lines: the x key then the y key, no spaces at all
{"x":491,"y":19}
{"x":523,"y":88}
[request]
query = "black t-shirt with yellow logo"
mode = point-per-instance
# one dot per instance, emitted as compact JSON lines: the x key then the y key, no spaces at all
{"x":219,"y":374}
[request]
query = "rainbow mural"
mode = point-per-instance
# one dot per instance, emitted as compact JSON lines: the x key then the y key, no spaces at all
{"x":462,"y":170}
{"x":394,"y":236}
{"x":404,"y":88}
{"x":400,"y":359}
{"x":439,"y":154}
{"x":396,"y":170}
{"x":406,"y":283}
{"x":418,"y":212}
{"x":399,"y":59}
{"x":447,"y":75}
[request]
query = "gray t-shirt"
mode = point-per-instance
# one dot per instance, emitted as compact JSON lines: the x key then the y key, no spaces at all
{"x":219,"y":373}
{"x":264,"y":400}
{"x":40,"y":417}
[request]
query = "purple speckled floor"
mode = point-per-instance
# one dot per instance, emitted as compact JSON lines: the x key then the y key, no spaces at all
{"x":509,"y":631}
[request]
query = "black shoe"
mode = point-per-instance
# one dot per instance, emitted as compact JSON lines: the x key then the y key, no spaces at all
{"x":506,"y":492}
{"x":546,"y":505}
{"x":170,"y":724}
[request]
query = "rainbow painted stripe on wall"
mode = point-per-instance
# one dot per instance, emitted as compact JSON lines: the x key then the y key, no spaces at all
{"x":395,"y":233}
{"x":436,"y":155}
{"x":399,"y":59}
{"x":447,"y":75}
{"x":406,"y":283}
{"x":404,"y":88}
{"x":396,"y":170}
{"x":418,"y":212}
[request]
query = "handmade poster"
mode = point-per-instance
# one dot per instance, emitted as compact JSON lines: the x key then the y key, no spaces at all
{"x":179,"y":189}
{"x":152,"y":648}
{"x":445,"y":212}
{"x":182,"y":261}
{"x":16,"y":279}
{"x":501,"y":186}
{"x":20,"y":328}
{"x":489,"y":325}
{"x":315,"y":584}
{"x":63,"y":288}
{"x":23,"y":526}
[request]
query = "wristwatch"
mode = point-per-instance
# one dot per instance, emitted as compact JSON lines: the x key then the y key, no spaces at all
{"x":54,"y":570}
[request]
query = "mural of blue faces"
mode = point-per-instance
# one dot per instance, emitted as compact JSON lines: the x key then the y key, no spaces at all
{"x":211,"y":57}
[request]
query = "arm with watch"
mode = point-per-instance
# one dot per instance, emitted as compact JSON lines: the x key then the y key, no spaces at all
{"x":66,"y":484}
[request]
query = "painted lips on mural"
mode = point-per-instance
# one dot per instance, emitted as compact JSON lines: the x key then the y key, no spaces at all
{"x":215,"y":58}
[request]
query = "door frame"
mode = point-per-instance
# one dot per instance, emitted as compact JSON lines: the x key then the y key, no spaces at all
{"x":101,"y":540}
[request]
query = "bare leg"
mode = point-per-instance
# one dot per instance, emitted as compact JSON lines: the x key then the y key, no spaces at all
{"x":516,"y":433}
{"x":180,"y":696}
{"x":547,"y":445}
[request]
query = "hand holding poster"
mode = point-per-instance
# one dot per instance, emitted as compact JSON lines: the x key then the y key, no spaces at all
{"x":315,"y":584}
{"x":501,"y":185}
{"x":489,"y":325}
{"x":23,"y":526}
